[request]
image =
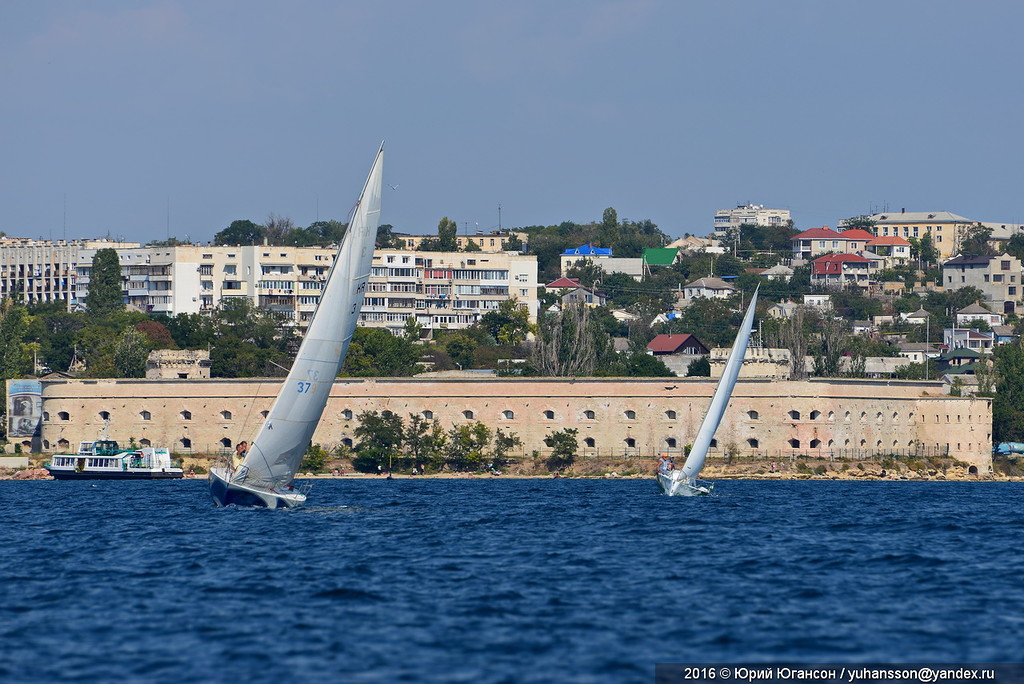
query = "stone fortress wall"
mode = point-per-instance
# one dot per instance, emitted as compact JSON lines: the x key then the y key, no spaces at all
{"x":614,"y":416}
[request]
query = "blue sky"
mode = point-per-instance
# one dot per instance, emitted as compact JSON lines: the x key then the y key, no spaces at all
{"x":663,"y":109}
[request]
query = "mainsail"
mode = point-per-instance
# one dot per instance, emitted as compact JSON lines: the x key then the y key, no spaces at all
{"x":276,"y":452}
{"x":720,"y":400}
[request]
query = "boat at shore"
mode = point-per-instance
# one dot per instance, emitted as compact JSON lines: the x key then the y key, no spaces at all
{"x":105,"y":459}
{"x":683,"y":481}
{"x":265,"y":476}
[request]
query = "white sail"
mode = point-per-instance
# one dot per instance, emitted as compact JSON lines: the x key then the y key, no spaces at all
{"x":276,"y":452}
{"x":720,"y":400}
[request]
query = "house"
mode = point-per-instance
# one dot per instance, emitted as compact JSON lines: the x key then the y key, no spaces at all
{"x":709,"y":288}
{"x":659,"y":256}
{"x":778,"y":272}
{"x":1004,"y":334}
{"x":919,"y":317}
{"x":571,"y":291}
{"x":676,"y":344}
{"x":842,"y":270}
{"x":895,"y":250}
{"x":576,"y":255}
{"x":824,"y":240}
{"x":999,"y":277}
{"x":692,"y":243}
{"x":917,"y":352}
{"x":968,"y":338}
{"x":822,"y":301}
{"x":783,"y":309}
{"x":976,"y":312}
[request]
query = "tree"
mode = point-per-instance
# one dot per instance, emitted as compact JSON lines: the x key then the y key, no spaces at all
{"x":315,"y":459}
{"x":130,"y":354}
{"x":278,"y":230}
{"x":424,"y":440}
{"x":570,"y":343}
{"x":503,"y":445}
{"x":13,"y":326}
{"x":380,"y":438}
{"x":466,"y":446}
{"x":564,"y":448}
{"x":241,"y":232}
{"x":699,"y":368}
{"x":386,"y":238}
{"x":508,"y":324}
{"x":1008,"y":403}
{"x":461,"y":348}
{"x":375,"y":352}
{"x":512,"y":244}
{"x":105,"y":295}
{"x":975,"y":241}
{"x":924,"y":249}
{"x":445,"y":241}
{"x":862,"y":222}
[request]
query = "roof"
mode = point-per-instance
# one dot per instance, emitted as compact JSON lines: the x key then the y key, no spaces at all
{"x":660,"y":256}
{"x":815,"y":233}
{"x":884,"y":241}
{"x":588,"y":250}
{"x":961,"y":353}
{"x":856,"y":234}
{"x":840,"y":257}
{"x":563,"y":282}
{"x":919,"y":217}
{"x":974,"y":308}
{"x":920,"y":313}
{"x":709,"y":283}
{"x":968,"y":260}
{"x":667,"y":344}
{"x":833,"y":263}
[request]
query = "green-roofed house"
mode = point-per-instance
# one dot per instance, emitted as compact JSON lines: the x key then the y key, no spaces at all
{"x":660,"y":256}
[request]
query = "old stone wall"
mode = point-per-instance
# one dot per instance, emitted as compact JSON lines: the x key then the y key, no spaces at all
{"x":614,"y":416}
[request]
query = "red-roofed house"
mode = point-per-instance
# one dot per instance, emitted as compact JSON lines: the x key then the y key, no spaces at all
{"x":676,"y":344}
{"x":572,"y":292}
{"x":842,"y":270}
{"x":824,"y":240}
{"x":896,"y":250}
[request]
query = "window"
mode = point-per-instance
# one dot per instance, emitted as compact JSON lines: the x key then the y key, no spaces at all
{"x":815,"y":415}
{"x":550,"y":415}
{"x":630,"y":415}
{"x":468,"y":415}
{"x":753,"y":415}
{"x":815,"y":443}
{"x":145,"y":415}
{"x":428,"y":415}
{"x":630,"y":443}
{"x":794,"y":415}
{"x":264,"y":413}
{"x":1004,"y":265}
{"x":186,"y":443}
{"x":671,"y":442}
{"x":831,"y":415}
{"x":588,"y":414}
{"x":752,"y":443}
{"x":589,"y":442}
{"x":671,"y":415}
{"x":145,"y":443}
{"x":226,"y":443}
{"x":186,"y":415}
{"x":226,"y":415}
{"x":347,"y":414}
{"x":508,"y":415}
{"x":63,"y":415}
{"x":104,"y":415}
{"x":347,"y":441}
{"x":714,"y":444}
{"x":794,"y":443}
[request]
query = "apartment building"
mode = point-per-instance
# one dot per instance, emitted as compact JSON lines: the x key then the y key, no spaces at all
{"x":494,"y":241}
{"x":45,"y":270}
{"x":445,"y":290}
{"x":750,"y":214}
{"x":999,"y":277}
{"x":946,"y":228}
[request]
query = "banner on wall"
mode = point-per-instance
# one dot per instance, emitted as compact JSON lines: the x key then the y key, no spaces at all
{"x":24,"y":408}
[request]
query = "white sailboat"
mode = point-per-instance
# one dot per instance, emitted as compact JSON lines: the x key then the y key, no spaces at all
{"x":683,"y":481}
{"x":265,"y":477}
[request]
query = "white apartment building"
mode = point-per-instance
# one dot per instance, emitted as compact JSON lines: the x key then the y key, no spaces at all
{"x":44,"y":270}
{"x":445,"y":290}
{"x":750,"y":214}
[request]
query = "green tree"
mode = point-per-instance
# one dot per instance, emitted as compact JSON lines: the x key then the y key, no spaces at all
{"x":105,"y":295}
{"x":461,"y":348}
{"x":564,"y":448}
{"x":863,"y":222}
{"x":375,"y":352}
{"x":1008,"y":403}
{"x":386,"y":238}
{"x":380,"y":438}
{"x":315,"y":459}
{"x":503,"y":446}
{"x":975,"y":241}
{"x":130,"y":354}
{"x":13,"y":326}
{"x":241,"y":232}
{"x":466,"y":446}
{"x":512,"y":244}
{"x":424,"y":440}
{"x":699,"y":368}
{"x":508,"y":324}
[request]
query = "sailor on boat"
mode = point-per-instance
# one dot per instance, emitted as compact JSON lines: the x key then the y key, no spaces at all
{"x":666,"y":465}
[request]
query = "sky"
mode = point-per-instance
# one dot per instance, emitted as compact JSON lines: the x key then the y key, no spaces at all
{"x":148,"y":119}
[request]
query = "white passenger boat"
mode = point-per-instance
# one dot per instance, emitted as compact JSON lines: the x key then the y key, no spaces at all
{"x":104,"y":459}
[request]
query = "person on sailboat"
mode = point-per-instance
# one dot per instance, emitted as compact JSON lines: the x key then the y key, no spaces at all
{"x":665,"y":465}
{"x":240,"y":452}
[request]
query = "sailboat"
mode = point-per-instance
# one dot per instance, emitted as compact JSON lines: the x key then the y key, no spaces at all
{"x":683,"y":481}
{"x":264,"y":478}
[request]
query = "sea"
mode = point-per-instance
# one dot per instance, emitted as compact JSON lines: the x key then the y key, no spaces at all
{"x":502,"y":580}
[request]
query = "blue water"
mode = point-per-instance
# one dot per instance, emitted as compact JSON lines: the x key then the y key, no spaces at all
{"x":492,"y":580}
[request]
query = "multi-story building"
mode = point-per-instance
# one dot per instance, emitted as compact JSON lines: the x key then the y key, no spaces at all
{"x":946,"y":228}
{"x":750,"y":215}
{"x":824,"y":240}
{"x":999,"y":277}
{"x":45,"y":270}
{"x":495,"y":241}
{"x":842,"y":270}
{"x":445,"y":290}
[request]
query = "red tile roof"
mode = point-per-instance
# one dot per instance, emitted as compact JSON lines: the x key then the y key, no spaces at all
{"x":817,"y":233}
{"x":563,"y":283}
{"x":889,"y":241}
{"x":856,"y":234}
{"x":667,"y":344}
{"x":832,"y":264}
